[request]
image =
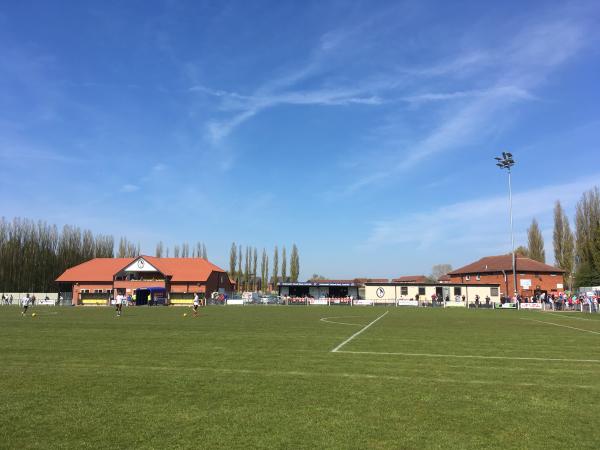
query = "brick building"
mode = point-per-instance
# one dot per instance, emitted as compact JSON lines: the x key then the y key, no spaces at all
{"x":148,"y":279}
{"x":532,"y":276}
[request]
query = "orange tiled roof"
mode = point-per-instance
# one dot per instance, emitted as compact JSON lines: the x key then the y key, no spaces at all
{"x":504,"y":262}
{"x":104,"y":269}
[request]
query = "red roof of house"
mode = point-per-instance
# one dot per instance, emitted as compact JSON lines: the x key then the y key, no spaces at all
{"x":104,"y":269}
{"x":504,"y":262}
{"x":371,"y":280}
{"x":411,"y":279}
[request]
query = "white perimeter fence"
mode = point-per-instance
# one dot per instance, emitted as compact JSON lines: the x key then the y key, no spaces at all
{"x":587,"y":305}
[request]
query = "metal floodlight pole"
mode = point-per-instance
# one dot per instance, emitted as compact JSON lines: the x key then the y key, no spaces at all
{"x":506,"y":162}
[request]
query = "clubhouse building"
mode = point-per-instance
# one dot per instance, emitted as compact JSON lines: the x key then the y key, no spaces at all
{"x":146,"y":279}
{"x":533,"y":277}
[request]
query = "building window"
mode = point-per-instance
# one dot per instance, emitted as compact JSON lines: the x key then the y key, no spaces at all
{"x":84,"y":291}
{"x":468,"y":277}
{"x":97,"y":291}
{"x":421,"y":290}
{"x":478,"y":277}
{"x":457,"y":290}
{"x":494,"y":292}
{"x":404,"y":290}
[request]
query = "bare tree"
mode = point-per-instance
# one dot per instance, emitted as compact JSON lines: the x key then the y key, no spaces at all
{"x":439,"y":270}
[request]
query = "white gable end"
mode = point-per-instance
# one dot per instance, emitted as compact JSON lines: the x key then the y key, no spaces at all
{"x":141,"y":265}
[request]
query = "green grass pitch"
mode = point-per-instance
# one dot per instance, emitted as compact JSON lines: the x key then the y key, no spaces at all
{"x":265,"y":377}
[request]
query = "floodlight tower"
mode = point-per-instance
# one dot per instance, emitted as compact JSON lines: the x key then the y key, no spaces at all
{"x":506,"y":162}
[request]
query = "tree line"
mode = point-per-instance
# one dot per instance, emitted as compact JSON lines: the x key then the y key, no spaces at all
{"x":243,"y":263}
{"x":182,"y":251}
{"x":33,"y":254}
{"x":578,"y":254}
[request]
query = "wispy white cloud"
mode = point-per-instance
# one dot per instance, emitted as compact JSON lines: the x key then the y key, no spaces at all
{"x":130,"y":188}
{"x":481,"y":224}
{"x":510,"y":91}
{"x":247,"y":106}
{"x":17,"y":151}
{"x":513,"y":72}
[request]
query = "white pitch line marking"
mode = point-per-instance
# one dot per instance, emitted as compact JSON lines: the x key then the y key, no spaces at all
{"x":321,"y":375}
{"x":326,"y":319}
{"x":357,"y":333}
{"x":435,"y":355}
{"x":559,"y":325}
{"x":566,"y":316}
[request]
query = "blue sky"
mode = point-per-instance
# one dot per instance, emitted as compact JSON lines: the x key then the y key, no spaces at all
{"x":364,"y":132}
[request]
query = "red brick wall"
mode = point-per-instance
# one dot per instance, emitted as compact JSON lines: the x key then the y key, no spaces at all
{"x":77,"y":287}
{"x":187,"y":287}
{"x":543,"y":281}
{"x":218,"y":280}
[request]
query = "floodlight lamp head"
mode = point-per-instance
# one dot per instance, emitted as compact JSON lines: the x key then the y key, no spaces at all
{"x":509,"y":155}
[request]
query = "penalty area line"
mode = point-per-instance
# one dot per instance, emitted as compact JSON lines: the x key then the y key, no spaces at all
{"x":357,"y":333}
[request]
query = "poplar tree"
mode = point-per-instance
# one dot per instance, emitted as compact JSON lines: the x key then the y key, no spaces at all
{"x":283,"y":265}
{"x":294,"y":264}
{"x":587,"y":218}
{"x":239,"y":270}
{"x":535,"y":242}
{"x":159,"y":250}
{"x":247,"y":269}
{"x":564,"y":242}
{"x":263,"y":270}
{"x":275,"y":267}
{"x":232,"y":260}
{"x":254,"y":262}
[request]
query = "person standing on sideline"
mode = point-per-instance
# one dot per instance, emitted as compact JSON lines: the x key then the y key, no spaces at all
{"x":196,"y":303}
{"x":119,"y":304}
{"x":25,"y":301}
